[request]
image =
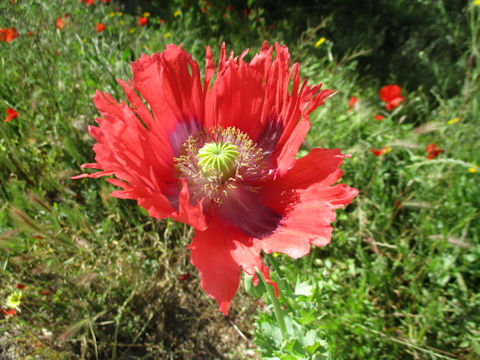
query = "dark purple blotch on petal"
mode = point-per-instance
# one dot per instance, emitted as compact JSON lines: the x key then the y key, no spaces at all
{"x":182,"y":132}
{"x":269,"y":137}
{"x":244,"y":209}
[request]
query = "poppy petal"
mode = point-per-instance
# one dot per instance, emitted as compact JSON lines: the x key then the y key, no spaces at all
{"x":235,"y":98}
{"x":393,"y":103}
{"x":319,"y":166}
{"x":211,"y":254}
{"x":219,"y":253}
{"x":306,"y":200}
{"x":170,"y":83}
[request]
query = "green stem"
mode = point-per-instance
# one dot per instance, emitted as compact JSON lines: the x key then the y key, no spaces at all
{"x":282,"y":277}
{"x":276,"y":305}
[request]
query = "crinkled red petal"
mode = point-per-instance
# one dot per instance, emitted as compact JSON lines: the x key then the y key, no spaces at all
{"x":134,"y":154}
{"x":265,"y":99}
{"x":219,"y":253}
{"x":235,"y":98}
{"x":170,"y":83}
{"x":306,"y":199}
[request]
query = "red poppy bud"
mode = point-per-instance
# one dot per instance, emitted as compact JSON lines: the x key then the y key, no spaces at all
{"x":184,"y":276}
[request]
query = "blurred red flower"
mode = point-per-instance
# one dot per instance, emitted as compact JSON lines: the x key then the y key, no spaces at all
{"x":184,"y":276}
{"x":20,"y":286}
{"x":379,"y":152}
{"x":379,"y":117}
{"x":61,"y":21}
{"x":351,"y":103}
{"x":8,"y":34}
{"x":106,"y":1}
{"x":7,"y":313}
{"x":391,"y":95}
{"x":44,"y":292}
{"x":11,"y":114}
{"x":88,"y":2}
{"x":101,"y":27}
{"x":220,"y":155}
{"x":142,"y":21}
{"x":433,"y":151}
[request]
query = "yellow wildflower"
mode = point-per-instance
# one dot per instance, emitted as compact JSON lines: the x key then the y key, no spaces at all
{"x":454,"y":120}
{"x":167,"y":35}
{"x":476,"y":2}
{"x":320,"y":41}
{"x":119,"y":13}
{"x":177,"y":13}
{"x":121,"y":22}
{"x":146,"y":14}
{"x":473,"y":169}
{"x":131,"y":30}
{"x":111,"y":14}
{"x":14,"y":300}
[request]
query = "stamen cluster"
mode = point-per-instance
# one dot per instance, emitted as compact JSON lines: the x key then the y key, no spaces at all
{"x":215,"y":162}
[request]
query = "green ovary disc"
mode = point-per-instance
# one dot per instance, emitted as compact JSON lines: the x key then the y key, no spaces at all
{"x":218,"y":158}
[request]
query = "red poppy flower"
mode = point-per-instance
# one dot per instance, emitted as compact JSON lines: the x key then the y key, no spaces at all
{"x":379,"y":152}
{"x":351,"y":103}
{"x":101,"y":27}
{"x":11,"y":114}
{"x":20,"y":286}
{"x":8,"y":34}
{"x":391,"y":94}
{"x":106,"y":1}
{"x":142,"y":21}
{"x":44,"y":292}
{"x":379,"y":117}
{"x":88,"y":2}
{"x":433,"y":151}
{"x":221,"y":157}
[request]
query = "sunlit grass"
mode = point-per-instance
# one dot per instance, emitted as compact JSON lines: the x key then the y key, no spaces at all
{"x":104,"y":280}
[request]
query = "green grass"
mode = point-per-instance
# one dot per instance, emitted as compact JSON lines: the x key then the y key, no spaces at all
{"x":400,"y":278}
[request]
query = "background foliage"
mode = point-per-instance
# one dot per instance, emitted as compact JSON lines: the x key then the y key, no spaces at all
{"x":104,"y":280}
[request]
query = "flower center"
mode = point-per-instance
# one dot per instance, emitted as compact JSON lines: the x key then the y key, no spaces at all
{"x":218,"y":159}
{"x":216,"y":162}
